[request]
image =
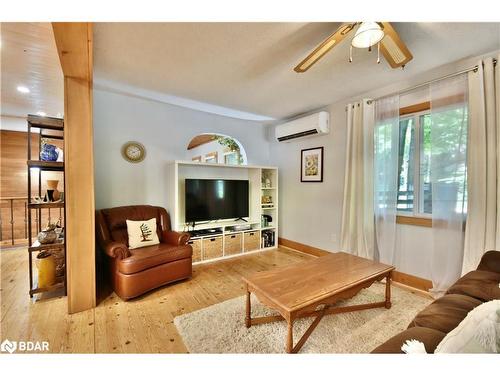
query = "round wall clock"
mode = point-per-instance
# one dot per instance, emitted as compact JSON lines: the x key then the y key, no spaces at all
{"x":133,"y":152}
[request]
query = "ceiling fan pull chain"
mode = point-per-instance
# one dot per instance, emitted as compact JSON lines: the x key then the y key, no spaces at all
{"x":350,"y":54}
{"x":378,"y":53}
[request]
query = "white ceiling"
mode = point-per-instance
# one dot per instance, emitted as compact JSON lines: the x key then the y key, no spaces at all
{"x":29,"y":58}
{"x":249,"y":66}
{"x":239,"y":69}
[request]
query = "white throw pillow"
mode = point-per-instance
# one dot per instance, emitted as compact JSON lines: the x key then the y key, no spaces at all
{"x":479,"y":332}
{"x":413,"y":347}
{"x":142,"y":233}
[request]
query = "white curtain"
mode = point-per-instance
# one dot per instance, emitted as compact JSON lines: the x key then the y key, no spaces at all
{"x":357,"y":236}
{"x":386,"y":151}
{"x":448,"y":141}
{"x":482,"y":230}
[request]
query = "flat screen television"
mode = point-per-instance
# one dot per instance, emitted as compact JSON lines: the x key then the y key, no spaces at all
{"x":216,"y":199}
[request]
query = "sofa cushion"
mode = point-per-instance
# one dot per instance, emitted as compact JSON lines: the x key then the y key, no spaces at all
{"x":483,"y":285}
{"x":490,"y":261}
{"x":116,"y":220}
{"x":445,"y":313}
{"x":151,"y":256}
{"x":142,"y":233}
{"x":479,"y":332}
{"x":428,"y":336}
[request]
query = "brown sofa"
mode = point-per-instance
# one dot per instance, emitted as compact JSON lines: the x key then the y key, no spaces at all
{"x":136,"y":271}
{"x":432,"y":324}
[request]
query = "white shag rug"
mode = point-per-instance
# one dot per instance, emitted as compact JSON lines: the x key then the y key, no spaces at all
{"x":221,"y":328}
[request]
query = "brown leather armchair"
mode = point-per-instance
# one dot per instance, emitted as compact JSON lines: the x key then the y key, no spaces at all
{"x":136,"y":271}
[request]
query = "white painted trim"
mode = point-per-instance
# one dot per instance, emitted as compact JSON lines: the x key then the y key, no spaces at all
{"x":124,"y":89}
{"x":219,"y":165}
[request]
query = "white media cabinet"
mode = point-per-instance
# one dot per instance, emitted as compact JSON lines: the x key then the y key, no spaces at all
{"x":229,"y":241}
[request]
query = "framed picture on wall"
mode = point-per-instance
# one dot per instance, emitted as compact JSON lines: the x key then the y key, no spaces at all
{"x":311,"y":168}
{"x":211,"y":157}
{"x":196,"y":158}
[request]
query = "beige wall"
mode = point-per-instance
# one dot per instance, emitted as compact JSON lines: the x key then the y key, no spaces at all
{"x":165,"y":130}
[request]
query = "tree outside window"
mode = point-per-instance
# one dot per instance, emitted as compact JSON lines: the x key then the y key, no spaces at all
{"x":426,"y":144}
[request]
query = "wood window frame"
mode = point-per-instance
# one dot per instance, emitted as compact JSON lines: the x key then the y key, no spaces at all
{"x":411,"y":219}
{"x":414,"y":220}
{"x":409,"y":110}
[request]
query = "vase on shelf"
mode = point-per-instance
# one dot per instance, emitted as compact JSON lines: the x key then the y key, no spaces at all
{"x":60,"y":154}
{"x":48,"y":152}
{"x":46,"y":269}
{"x":52,"y":193}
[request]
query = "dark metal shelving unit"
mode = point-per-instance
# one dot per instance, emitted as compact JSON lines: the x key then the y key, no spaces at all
{"x":50,"y":128}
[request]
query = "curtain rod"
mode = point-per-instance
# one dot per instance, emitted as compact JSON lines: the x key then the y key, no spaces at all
{"x":471,"y":69}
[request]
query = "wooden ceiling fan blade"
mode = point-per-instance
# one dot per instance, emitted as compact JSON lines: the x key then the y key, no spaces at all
{"x":324,"y":47}
{"x":393,"y":48}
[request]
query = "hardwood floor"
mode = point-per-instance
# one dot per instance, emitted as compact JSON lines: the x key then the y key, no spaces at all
{"x":143,"y":325}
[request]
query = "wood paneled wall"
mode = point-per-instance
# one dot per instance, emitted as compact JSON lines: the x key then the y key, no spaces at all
{"x":14,"y":153}
{"x":14,"y":182}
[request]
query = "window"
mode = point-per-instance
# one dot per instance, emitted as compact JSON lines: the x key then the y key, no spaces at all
{"x":414,"y":187}
{"x":414,"y":196}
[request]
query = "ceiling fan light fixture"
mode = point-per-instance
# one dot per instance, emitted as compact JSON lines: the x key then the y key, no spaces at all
{"x":368,"y":34}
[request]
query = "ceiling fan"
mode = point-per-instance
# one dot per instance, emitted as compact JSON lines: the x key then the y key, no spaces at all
{"x":367,"y":35}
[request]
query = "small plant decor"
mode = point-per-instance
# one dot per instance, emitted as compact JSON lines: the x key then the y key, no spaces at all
{"x":230,"y":145}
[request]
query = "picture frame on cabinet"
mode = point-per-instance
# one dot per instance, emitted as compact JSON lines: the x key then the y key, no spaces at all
{"x":211,"y":157}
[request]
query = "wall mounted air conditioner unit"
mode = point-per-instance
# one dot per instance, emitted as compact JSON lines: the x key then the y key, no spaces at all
{"x":315,"y":124}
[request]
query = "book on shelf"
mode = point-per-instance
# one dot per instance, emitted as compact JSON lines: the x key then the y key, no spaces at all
{"x":268,"y":238}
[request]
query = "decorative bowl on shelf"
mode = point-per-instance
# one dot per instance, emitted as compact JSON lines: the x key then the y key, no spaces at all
{"x":47,"y":236}
{"x":37,"y":200}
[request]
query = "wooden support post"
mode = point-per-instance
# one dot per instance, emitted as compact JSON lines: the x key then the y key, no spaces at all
{"x":74,"y":45}
{"x":12,"y":221}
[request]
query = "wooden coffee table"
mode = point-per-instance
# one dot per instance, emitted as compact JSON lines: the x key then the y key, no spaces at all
{"x":298,"y":290}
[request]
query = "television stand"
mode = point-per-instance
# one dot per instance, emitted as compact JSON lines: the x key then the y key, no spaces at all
{"x":247,"y":234}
